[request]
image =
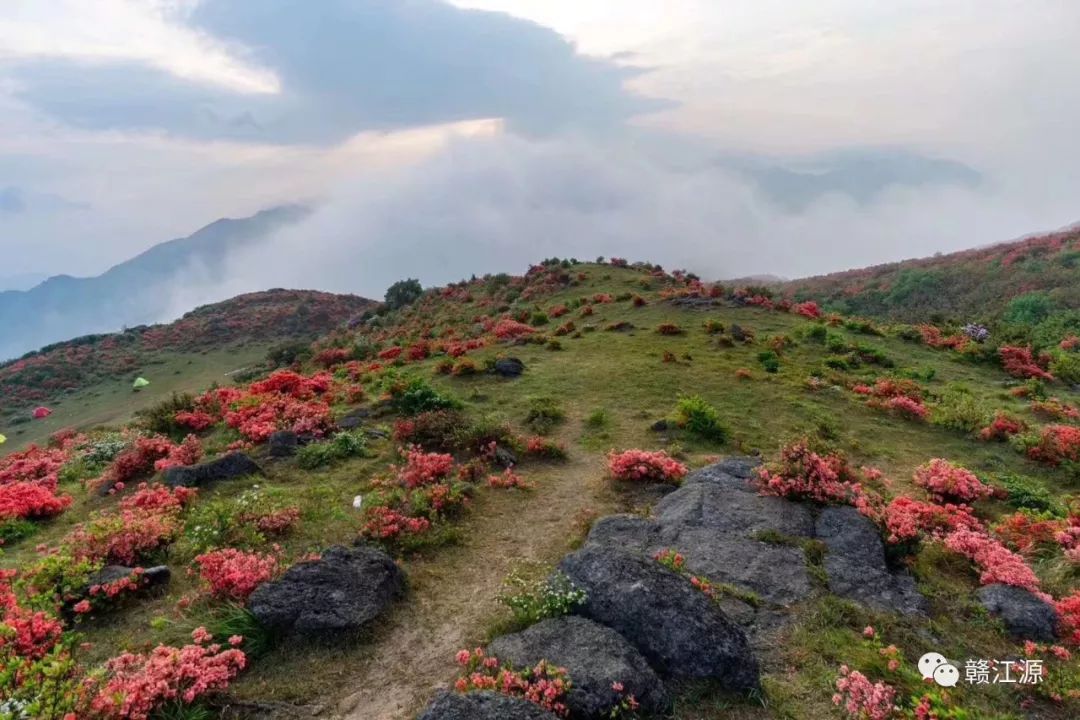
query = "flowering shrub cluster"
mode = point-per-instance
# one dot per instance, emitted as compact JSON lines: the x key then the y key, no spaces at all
{"x":1019,"y":362}
{"x":141,"y":525}
{"x":1054,"y":409}
{"x":908,"y":519}
{"x":135,"y":685}
{"x":25,"y":500}
{"x":542,"y":447}
{"x":104,"y":594}
{"x":906,"y":407}
{"x":188,"y":452}
{"x":861,"y":699}
{"x":808,"y":309}
{"x":996,"y":562}
{"x":946,"y":481}
{"x":544,"y":684}
{"x":507,"y":329}
{"x":645,"y":466}
{"x":508,"y":479}
{"x":233,"y":574}
{"x":1056,"y":444}
{"x":413,"y":497}
{"x":803,"y":473}
{"x":1002,"y":427}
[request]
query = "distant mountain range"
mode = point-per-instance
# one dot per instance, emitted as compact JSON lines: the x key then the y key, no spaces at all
{"x":135,"y":292}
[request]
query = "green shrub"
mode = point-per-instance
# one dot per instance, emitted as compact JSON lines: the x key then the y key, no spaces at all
{"x":538,"y":318}
{"x":161,"y":416}
{"x":769,"y":360}
{"x":598,"y":419}
{"x":1029,"y":494}
{"x":420,"y":397}
{"x":544,"y":414}
{"x":342,"y":445}
{"x":402,"y":293}
{"x":700,"y":418}
{"x":238,"y":620}
{"x":15,"y":529}
{"x":1066,"y":367}
{"x":288,"y":353}
{"x":836,"y":343}
{"x":532,"y":600}
{"x":817,"y":333}
{"x":960,"y":410}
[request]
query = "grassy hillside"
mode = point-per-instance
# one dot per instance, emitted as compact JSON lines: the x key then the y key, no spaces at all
{"x":608,"y":351}
{"x":87,"y":381}
{"x":1024,"y":283}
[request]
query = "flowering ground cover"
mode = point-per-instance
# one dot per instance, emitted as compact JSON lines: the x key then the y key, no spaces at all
{"x":453,"y":515}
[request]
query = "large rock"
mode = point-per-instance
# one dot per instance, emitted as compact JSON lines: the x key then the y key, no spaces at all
{"x":508,"y":367}
{"x":856,"y":568}
{"x":729,"y":505}
{"x":675,"y":626}
{"x":152,"y":577}
{"x":336,"y":595}
{"x":1025,"y":615}
{"x":283,"y":443}
{"x":227,"y":467}
{"x":483,"y":706}
{"x":594,"y":656}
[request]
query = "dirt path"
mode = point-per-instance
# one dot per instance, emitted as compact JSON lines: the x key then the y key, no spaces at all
{"x":452,"y":600}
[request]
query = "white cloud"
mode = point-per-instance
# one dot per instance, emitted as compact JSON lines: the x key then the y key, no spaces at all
{"x":145,"y":31}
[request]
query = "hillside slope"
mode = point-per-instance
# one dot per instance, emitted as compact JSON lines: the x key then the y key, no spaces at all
{"x":613,"y":358}
{"x":134,"y":292}
{"x":1023,"y":281}
{"x":88,"y":379}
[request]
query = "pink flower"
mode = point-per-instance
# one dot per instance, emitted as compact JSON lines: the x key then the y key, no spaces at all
{"x":83,"y":606}
{"x":868,"y":632}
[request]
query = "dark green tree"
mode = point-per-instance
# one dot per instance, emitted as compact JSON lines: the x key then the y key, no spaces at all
{"x":402,"y":293}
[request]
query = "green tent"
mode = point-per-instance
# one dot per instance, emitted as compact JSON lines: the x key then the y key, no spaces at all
{"x":2,"y":439}
{"x":140,"y":382}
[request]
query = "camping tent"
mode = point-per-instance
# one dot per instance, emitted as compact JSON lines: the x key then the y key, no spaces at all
{"x":42,"y":412}
{"x":140,"y":382}
{"x":2,"y":439}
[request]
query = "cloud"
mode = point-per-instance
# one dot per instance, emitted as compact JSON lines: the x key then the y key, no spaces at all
{"x":343,"y":66}
{"x":497,"y":204}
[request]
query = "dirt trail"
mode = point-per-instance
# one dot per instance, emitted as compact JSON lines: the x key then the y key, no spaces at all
{"x":452,"y":598}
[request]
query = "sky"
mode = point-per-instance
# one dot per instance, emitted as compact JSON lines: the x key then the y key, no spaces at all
{"x":440,"y":139}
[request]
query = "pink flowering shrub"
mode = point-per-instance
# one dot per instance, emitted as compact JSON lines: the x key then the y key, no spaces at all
{"x":507,"y":329}
{"x":423,"y":468}
{"x":1054,"y":409}
{"x":1027,"y":534}
{"x":997,"y":564}
{"x":906,"y":407}
{"x":861,"y":699}
{"x":909,"y":519}
{"x":1002,"y":427}
{"x":645,"y":466}
{"x":27,"y":500}
{"x":543,"y":684}
{"x":158,"y":497}
{"x":233,"y":574}
{"x":542,"y":447}
{"x":24,"y":632}
{"x":808,"y":309}
{"x":1069,"y":612}
{"x":804,"y":474}
{"x":1019,"y":362}
{"x":384,"y":523}
{"x":196,"y":420}
{"x":186,"y":453}
{"x":35,"y":465}
{"x":946,"y":481}
{"x":135,"y":685}
{"x":142,"y":524}
{"x":1056,"y":444}
{"x":508,"y":479}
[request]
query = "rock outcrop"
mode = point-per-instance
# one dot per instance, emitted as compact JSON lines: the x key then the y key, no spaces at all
{"x":228,"y":467}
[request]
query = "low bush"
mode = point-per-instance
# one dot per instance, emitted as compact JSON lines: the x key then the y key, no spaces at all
{"x":544,"y":414}
{"x":419,"y":397}
{"x":699,"y":418}
{"x":645,"y":466}
{"x":340,"y":446}
{"x":532,"y":600}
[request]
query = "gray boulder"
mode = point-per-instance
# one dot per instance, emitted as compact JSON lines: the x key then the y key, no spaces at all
{"x":508,"y":367}
{"x":1025,"y":616}
{"x":594,"y":656}
{"x":156,"y":576}
{"x":336,"y":595}
{"x":675,"y":626}
{"x":283,"y":443}
{"x":856,"y":568}
{"x":483,"y":706}
{"x":227,"y":467}
{"x":729,"y":505}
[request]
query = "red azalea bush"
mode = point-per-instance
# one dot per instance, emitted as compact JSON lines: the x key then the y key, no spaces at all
{"x":542,"y":447}
{"x":1069,"y":612}
{"x":390,"y":353}
{"x":24,"y":632}
{"x":278,"y":522}
{"x":507,"y":329}
{"x":330,"y":357}
{"x":803,"y":473}
{"x":1002,"y":427}
{"x":135,"y":685}
{"x":1019,"y":362}
{"x":233,"y":574}
{"x":808,"y":309}
{"x":906,"y":407}
{"x":186,"y":453}
{"x":424,"y":468}
{"x":143,"y":523}
{"x":1056,"y":444}
{"x":158,"y":498}
{"x":196,"y":420}
{"x":1027,"y":534}
{"x":24,"y":500}
{"x":544,"y":684}
{"x":996,"y":562}
{"x":383,"y":523}
{"x":908,"y":519}
{"x":35,"y":464}
{"x":861,"y":699}
{"x":1054,"y":409}
{"x":947,"y":481}
{"x":644,"y":466}
{"x":508,"y":479}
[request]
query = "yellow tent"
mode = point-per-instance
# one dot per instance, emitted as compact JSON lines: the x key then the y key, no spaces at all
{"x":140,"y":382}
{"x":2,"y":439}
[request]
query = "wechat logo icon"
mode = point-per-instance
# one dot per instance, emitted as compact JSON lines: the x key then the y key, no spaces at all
{"x":934,"y":665}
